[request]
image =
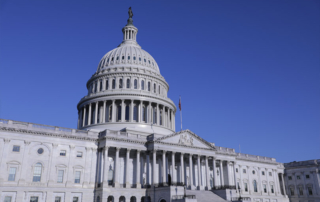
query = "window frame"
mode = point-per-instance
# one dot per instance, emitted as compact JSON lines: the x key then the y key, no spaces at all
{"x":79,"y":152}
{"x":6,"y":199}
{"x":60,"y":177}
{"x":10,"y":174}
{"x":16,"y":146}
{"x":59,"y":199}
{"x":36,"y":172}
{"x":75,"y":177}
{"x":65,"y":153}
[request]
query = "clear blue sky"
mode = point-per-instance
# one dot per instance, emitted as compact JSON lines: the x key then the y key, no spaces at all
{"x":248,"y":71}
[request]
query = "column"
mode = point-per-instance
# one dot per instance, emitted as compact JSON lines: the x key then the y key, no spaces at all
{"x":215,"y":182}
{"x":96,"y":113}
{"x":235,"y":177}
{"x":149,"y":113}
{"x":182,"y":168}
{"x":164,"y":176}
{"x":104,"y":84}
{"x":171,"y":124}
{"x":123,"y":110}
{"x":89,"y":120}
{"x":250,"y":181}
{"x":221,"y":174}
{"x":131,"y":111}
{"x":93,"y":167}
{"x":315,"y":180}
{"x":154,"y":158}
{"x":228,"y":173}
{"x":116,"y":169}
{"x":158,"y":115}
{"x":148,"y":168}
{"x":140,"y":111}
{"x":268,"y":184}
{"x":199,"y":172}
{"x":174,"y":122}
{"x":241,"y":180}
{"x":260,"y":181}
{"x":79,"y":117}
{"x":190,"y":170}
{"x":113,"y":111}
{"x":104,"y":111}
{"x":174,"y":174}
{"x":106,"y":166}
{"x":127,"y":169}
{"x":138,"y":170}
{"x":98,"y":86}
{"x":207,"y":174}
{"x":168,"y":117}
{"x":284,"y":188}
{"x":84,"y":115}
{"x":25,"y":160}
{"x":277,"y":188}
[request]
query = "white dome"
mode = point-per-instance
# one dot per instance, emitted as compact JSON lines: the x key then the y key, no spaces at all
{"x":128,"y":55}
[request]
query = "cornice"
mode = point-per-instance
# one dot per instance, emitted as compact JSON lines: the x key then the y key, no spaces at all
{"x":259,"y":161}
{"x":180,"y":145}
{"x":39,"y":133}
{"x":123,"y":140}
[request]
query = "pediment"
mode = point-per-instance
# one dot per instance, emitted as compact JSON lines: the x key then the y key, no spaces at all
{"x":185,"y":138}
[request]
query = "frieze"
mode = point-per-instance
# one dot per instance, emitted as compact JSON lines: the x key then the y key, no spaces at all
{"x":185,"y":141}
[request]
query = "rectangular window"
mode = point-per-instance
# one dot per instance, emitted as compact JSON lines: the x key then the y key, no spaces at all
{"x":12,"y":174}
{"x":289,"y":177}
{"x":77,"y":177}
{"x":307,"y":176}
{"x":245,"y":187}
{"x":79,"y":154}
{"x":7,"y":199}
{"x":34,"y":199}
{"x":238,"y":185}
{"x":291,"y":191}
{"x":16,"y":148}
{"x":272,"y":191}
{"x":300,"y":191}
{"x":262,"y":172}
{"x":60,"y":176}
{"x":265,"y":188}
{"x":270,"y":173}
{"x":244,"y":171}
{"x":298,"y":177}
{"x":75,"y":199}
{"x":310,"y":191}
{"x":63,"y":153}
{"x":57,"y":199}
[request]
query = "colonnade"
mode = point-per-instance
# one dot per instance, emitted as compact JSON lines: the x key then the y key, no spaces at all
{"x":126,"y":111}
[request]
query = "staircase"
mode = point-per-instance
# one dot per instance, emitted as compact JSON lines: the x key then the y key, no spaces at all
{"x":205,"y":196}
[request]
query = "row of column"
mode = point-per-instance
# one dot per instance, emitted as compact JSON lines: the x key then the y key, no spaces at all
{"x":129,"y":34}
{"x":156,"y":114}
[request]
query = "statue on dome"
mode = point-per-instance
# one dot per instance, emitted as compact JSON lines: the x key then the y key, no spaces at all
{"x":130,"y":13}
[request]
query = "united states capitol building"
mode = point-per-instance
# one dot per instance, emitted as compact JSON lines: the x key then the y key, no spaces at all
{"x":126,"y":148}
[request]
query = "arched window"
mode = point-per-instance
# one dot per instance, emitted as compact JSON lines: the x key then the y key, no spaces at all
{"x":119,"y":113}
{"x":98,"y":199}
{"x":37,"y":170}
{"x":135,"y":84}
{"x":135,"y":113}
{"x":113,"y":83}
{"x":154,"y":88}
{"x":149,"y":86}
{"x":154,"y":115}
{"x":107,"y":84}
{"x":100,"y":85}
{"x":143,"y":114}
{"x":133,"y":199}
{"x":120,"y":83}
{"x":142,"y":85}
{"x":127,"y":113}
{"x":110,"y":199}
{"x":110,"y":113}
{"x":122,"y":199}
{"x":95,"y":86}
{"x":128,"y":83}
{"x":255,"y":188}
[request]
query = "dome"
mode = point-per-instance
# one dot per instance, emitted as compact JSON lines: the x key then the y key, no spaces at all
{"x":128,"y":55}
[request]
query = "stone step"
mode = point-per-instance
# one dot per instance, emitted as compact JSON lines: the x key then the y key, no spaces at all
{"x":205,"y":196}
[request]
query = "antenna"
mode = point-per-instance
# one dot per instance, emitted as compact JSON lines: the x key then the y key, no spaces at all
{"x":239,"y":149}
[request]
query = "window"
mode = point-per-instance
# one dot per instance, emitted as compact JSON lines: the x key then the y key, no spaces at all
{"x":57,"y":199}
{"x":298,"y":177}
{"x":60,"y":176}
{"x":238,"y":185}
{"x":145,"y":60}
{"x":117,"y":57}
{"x":7,"y":199}
{"x":149,"y":61}
{"x":144,"y":114}
{"x":135,"y":113}
{"x":75,"y":199}
{"x":119,"y":113}
{"x":122,"y":57}
{"x":110,"y":113}
{"x":95,"y":87}
{"x":79,"y":154}
{"x":16,"y":148}
{"x":244,"y":171}
{"x":154,"y":116}
{"x":37,"y":170}
{"x":77,"y":177}
{"x":255,"y":188}
{"x":139,"y":59}
{"x":289,"y":177}
{"x":128,"y":57}
{"x":127,"y":113}
{"x":142,"y":85}
{"x":113,"y":83}
{"x":310,"y":191}
{"x":291,"y":191}
{"x":270,"y":173}
{"x":154,"y":88}
{"x":134,"y":57}
{"x":265,"y":188}
{"x":262,"y":172}
{"x":272,"y":190}
{"x":34,"y":199}
{"x":236,"y":170}
{"x":98,"y":199}
{"x":135,"y":84}
{"x":128,"y":83}
{"x":63,"y":153}
{"x":112,"y":59}
{"x":148,"y":86}
{"x":160,"y":118}
{"x":40,"y":151}
{"x":12,"y":174}
{"x":245,"y":187}
{"x":253,"y":172}
{"x":100,"y":86}
{"x":300,"y":191}
{"x":120,"y":83}
{"x":107,"y":84}
{"x":307,"y":176}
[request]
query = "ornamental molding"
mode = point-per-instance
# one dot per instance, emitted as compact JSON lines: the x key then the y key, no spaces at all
{"x":123,"y":140}
{"x":253,"y":160}
{"x":31,"y":132}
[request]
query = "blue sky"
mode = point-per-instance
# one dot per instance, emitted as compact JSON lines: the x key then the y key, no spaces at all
{"x":248,"y":71}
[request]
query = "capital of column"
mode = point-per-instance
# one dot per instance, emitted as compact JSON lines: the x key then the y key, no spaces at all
{"x":173,"y":152}
{"x":105,"y":148}
{"x":164,"y":151}
{"x":71,"y":147}
{"x":6,"y":141}
{"x":54,"y":145}
{"x":154,"y":151}
{"x":128,"y":150}
{"x":117,"y":148}
{"x":27,"y":142}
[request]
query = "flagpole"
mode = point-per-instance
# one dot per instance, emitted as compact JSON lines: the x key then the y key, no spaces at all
{"x":181,"y":114}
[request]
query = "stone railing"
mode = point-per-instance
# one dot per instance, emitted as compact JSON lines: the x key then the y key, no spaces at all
{"x":225,"y":150}
{"x":45,"y":128}
{"x":255,"y":157}
{"x":224,"y":187}
{"x":178,"y":197}
{"x":240,"y":199}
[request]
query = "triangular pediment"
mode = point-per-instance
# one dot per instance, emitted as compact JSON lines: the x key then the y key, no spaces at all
{"x":186,"y":138}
